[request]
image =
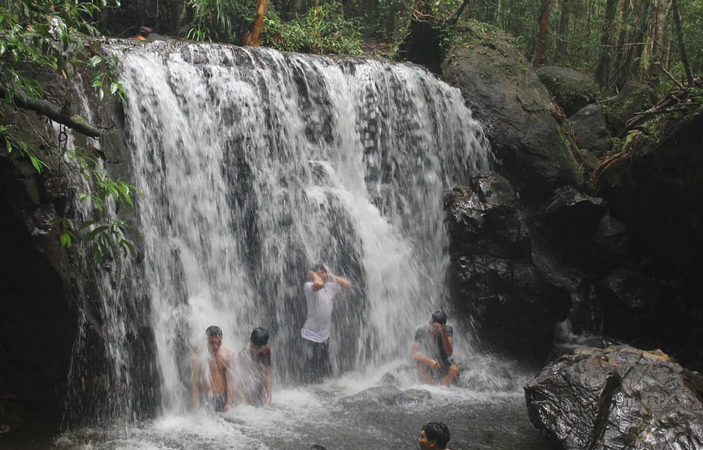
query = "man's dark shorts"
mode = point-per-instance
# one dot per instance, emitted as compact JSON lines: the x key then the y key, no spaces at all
{"x":218,"y":402}
{"x":443,"y":370}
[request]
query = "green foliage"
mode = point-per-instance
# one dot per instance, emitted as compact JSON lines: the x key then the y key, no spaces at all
{"x":51,"y":34}
{"x":322,"y":30}
{"x":221,"y":20}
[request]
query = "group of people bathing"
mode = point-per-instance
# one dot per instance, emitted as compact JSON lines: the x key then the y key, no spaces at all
{"x":246,"y":377}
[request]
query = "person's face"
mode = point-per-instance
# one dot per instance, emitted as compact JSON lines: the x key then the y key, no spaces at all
{"x":322,"y":274}
{"x":426,"y":444}
{"x":214,"y":343}
{"x":436,"y":328}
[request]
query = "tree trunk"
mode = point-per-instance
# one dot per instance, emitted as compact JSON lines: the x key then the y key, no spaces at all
{"x":682,"y":44}
{"x":653,"y":50}
{"x":624,"y":8}
{"x":540,"y":56}
{"x":626,"y":71}
{"x":560,"y":52}
{"x":602,"y":73}
{"x":253,"y":39}
{"x":177,"y":8}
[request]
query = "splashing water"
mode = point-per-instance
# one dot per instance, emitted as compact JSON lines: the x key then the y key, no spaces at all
{"x":254,"y":165}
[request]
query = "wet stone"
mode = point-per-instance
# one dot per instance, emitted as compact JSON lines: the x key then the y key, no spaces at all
{"x":385,"y":395}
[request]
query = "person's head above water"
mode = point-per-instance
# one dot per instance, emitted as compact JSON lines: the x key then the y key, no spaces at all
{"x":321,"y":270}
{"x":214,"y":338}
{"x":439,"y":317}
{"x":434,"y":435}
{"x":259,"y":338}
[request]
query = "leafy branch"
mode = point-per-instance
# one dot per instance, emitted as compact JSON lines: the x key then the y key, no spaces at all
{"x":50,"y":33}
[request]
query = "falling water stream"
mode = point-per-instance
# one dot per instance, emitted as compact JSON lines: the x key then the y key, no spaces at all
{"x":254,"y":165}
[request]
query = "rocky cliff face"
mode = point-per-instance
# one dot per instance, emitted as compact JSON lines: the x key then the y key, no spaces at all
{"x":622,"y":244}
{"x":50,"y":328}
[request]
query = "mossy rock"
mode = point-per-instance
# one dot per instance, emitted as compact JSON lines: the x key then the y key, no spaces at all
{"x":516,"y":110}
{"x":572,"y":90}
{"x":633,"y":98}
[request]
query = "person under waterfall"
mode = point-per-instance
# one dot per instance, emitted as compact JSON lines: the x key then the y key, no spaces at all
{"x":253,"y":370}
{"x":320,"y":292}
{"x":217,"y":391}
{"x":432,"y":350}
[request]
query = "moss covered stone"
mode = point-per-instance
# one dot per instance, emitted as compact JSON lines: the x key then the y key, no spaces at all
{"x":506,"y":95}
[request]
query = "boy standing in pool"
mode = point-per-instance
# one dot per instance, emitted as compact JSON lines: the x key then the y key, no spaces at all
{"x":253,"y":377}
{"x":432,"y":350}
{"x":218,"y":390}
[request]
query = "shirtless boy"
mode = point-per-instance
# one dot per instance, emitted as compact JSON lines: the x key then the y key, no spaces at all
{"x":218,"y":390}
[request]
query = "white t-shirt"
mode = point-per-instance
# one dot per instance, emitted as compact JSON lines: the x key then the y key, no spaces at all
{"x":317,"y":327}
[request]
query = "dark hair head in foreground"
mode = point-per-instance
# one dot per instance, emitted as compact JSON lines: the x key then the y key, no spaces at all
{"x":436,"y":432}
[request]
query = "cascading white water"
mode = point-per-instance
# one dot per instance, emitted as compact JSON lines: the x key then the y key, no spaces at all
{"x":256,"y":164}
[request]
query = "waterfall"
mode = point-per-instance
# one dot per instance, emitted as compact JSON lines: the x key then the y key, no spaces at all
{"x":256,"y":164}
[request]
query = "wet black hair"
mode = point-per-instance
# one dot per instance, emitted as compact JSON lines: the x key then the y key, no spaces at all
{"x":213,"y":331}
{"x":437,"y":432}
{"x":439,"y":317}
{"x":319,"y":266}
{"x":259,"y":337}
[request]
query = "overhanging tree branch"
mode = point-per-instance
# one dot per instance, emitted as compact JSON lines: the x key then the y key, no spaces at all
{"x":53,"y":112}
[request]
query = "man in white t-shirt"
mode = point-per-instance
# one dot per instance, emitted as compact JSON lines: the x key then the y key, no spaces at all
{"x":319,"y":294}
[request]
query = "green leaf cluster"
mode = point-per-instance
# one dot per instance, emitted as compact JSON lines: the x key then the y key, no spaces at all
{"x":52,"y":34}
{"x":321,"y":30}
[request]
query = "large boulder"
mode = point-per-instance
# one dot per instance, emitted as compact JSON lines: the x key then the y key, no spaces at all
{"x":656,"y":189}
{"x":634,"y":97}
{"x":572,"y":90}
{"x":493,"y":276}
{"x":591,"y":130}
{"x":618,"y":397}
{"x":515,"y":109}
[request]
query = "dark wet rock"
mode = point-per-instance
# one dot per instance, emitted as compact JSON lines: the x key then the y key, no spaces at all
{"x":618,"y":397}
{"x":632,"y":304}
{"x":386,"y":395}
{"x":634,"y":97}
{"x":493,"y":277}
{"x":38,"y":283}
{"x":613,"y":243}
{"x":507,"y":97}
{"x":318,"y":447}
{"x":571,"y":89}
{"x":569,"y":219}
{"x":657,"y":191}
{"x":591,"y":130}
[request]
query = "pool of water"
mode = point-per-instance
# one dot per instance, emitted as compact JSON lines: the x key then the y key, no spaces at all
{"x":322,"y":415}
